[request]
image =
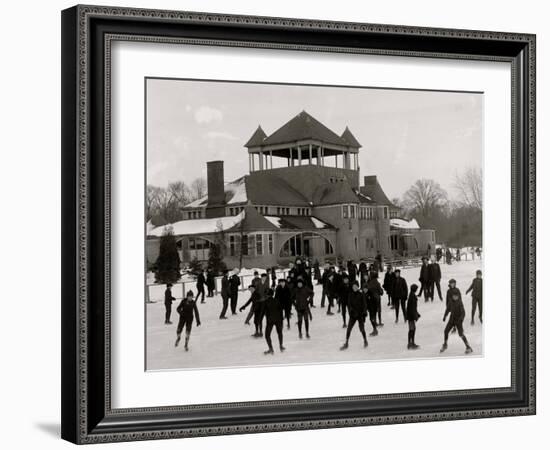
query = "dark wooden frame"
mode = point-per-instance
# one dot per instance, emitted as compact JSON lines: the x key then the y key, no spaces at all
{"x":87,"y":31}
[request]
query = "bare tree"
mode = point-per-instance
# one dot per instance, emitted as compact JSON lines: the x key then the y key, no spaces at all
{"x":424,"y":197}
{"x":180,"y":193}
{"x":198,"y":188}
{"x":469,"y":185}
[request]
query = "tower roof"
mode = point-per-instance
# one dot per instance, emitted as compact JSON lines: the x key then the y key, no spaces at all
{"x":257,"y":139}
{"x":350,"y":138}
{"x":303,"y":126}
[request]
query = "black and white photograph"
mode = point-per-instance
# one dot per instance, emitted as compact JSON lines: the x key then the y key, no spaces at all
{"x":291,"y":224}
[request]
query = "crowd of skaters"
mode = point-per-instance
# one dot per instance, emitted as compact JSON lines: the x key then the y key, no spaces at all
{"x":352,"y":292}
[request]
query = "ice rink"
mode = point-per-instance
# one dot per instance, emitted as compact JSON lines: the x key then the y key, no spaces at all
{"x":228,"y":343}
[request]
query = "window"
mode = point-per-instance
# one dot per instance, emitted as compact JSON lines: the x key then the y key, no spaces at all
{"x":232,"y":246}
{"x":259,"y":245}
{"x":278,"y":211}
{"x":385,"y":212}
{"x":270,"y":244}
{"x":328,"y":248}
{"x":352,"y":211}
{"x":244,"y":245}
{"x":356,"y":245}
{"x":345,"y":211}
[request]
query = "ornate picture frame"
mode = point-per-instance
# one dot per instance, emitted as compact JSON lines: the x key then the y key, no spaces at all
{"x":87,"y":35}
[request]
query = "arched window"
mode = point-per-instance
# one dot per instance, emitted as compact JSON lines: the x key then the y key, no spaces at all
{"x":306,"y":244}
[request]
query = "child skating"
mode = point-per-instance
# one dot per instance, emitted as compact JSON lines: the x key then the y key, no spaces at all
{"x":477,"y":296}
{"x":412,"y":316}
{"x":357,"y":303}
{"x":455,"y":308}
{"x":187,"y":309}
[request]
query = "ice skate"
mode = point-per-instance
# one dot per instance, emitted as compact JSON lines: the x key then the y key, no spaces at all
{"x":344,"y":347}
{"x":177,"y":341}
{"x":443,"y":348}
{"x":413,"y":346}
{"x":468,"y":350}
{"x":365,"y":344}
{"x":300,"y":335}
{"x":282,"y":349}
{"x":373,"y":333}
{"x":269,"y":352}
{"x":307,"y":336}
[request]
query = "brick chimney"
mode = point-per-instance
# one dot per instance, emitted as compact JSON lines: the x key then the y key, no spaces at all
{"x":370,"y":179}
{"x":216,"y":192}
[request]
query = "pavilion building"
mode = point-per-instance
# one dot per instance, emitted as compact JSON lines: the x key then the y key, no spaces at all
{"x":301,"y":197}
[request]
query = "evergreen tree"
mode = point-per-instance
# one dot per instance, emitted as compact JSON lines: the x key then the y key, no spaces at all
{"x":215,"y":260}
{"x":167,"y":266}
{"x":195,"y":265}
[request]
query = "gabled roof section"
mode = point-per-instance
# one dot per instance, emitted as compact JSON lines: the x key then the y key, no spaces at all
{"x":301,"y":127}
{"x":334,"y":193}
{"x":265,"y":188}
{"x":374,"y":191}
{"x":257,"y":139}
{"x":349,"y":138}
{"x":253,"y":221}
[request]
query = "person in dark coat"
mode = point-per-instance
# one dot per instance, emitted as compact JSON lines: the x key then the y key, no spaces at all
{"x":201,"y":281}
{"x":457,"y":257}
{"x":378,"y":262}
{"x":225,"y":293}
{"x":455,"y":308}
{"x":303,"y":296}
{"x":400,"y":295}
{"x":323,"y":281}
{"x":343,"y":294}
{"x":331,"y":289}
{"x":234,"y":283}
{"x":389,"y":283}
{"x":412,"y":316}
{"x":352,"y":271}
{"x":434,"y":273}
{"x":477,"y":296}
{"x":317,"y":272}
{"x":283,"y":296}
{"x":375,"y":292}
{"x":438,"y":254}
{"x":273,"y":274}
{"x":363,"y":268}
{"x":448,"y":257}
{"x":257,"y":309}
{"x":274,"y":318}
{"x":210,"y":282}
{"x":168,"y":299}
{"x":256,"y":282}
{"x":424,"y":279}
{"x":187,"y":309}
{"x":357,"y":313}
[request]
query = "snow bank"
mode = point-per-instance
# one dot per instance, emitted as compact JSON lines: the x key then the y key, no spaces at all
{"x":404,"y":224}
{"x":199,"y":226}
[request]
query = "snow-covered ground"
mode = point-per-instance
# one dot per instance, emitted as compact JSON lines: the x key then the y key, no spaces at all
{"x":228,"y":343}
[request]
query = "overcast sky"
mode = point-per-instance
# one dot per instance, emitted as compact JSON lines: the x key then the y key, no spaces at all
{"x":406,"y":135}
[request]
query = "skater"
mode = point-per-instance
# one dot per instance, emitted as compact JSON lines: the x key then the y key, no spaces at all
{"x":438,"y":254}
{"x":424,"y":279}
{"x":378,"y":262}
{"x":331,"y":289}
{"x":256,"y":282}
{"x":400,"y":295}
{"x":448,"y":257}
{"x":455,"y":308}
{"x":303,"y":296}
{"x":274,"y":318}
{"x":225,"y":293}
{"x":188,"y":311}
{"x":412,"y":316}
{"x":389,"y":283}
{"x":234,"y":283}
{"x":168,"y":299}
{"x":372,"y":308}
{"x":257,"y":309}
{"x":343,"y":294}
{"x":210,"y":282}
{"x":363,"y":268}
{"x":357,"y":313}
{"x":375,"y":292}
{"x":352,"y":271}
{"x":324,"y":281}
{"x":273,"y":277}
{"x":457,"y":254}
{"x":201,"y":281}
{"x":477,"y":296}
{"x":317,"y":272}
{"x":434,"y":274}
{"x":283,"y":296}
